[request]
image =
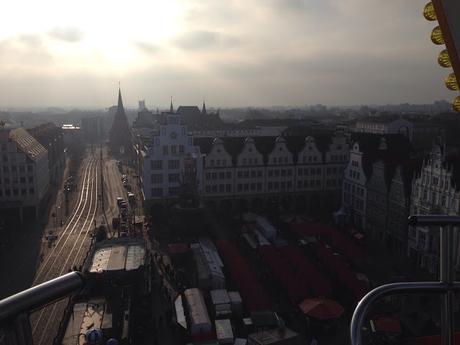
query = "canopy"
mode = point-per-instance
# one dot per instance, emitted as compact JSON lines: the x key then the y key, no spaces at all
{"x":323,"y":309}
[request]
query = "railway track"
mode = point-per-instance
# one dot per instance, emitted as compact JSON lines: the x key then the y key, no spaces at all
{"x":68,"y":251}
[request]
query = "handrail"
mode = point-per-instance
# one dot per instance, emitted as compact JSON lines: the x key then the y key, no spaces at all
{"x":445,"y":287}
{"x":40,"y":295}
{"x":391,"y":289}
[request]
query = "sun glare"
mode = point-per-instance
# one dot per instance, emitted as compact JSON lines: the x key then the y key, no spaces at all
{"x":109,"y":30}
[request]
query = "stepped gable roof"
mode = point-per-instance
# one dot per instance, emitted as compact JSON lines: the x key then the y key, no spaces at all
{"x":398,"y":149}
{"x":265,"y":145}
{"x":27,"y":143}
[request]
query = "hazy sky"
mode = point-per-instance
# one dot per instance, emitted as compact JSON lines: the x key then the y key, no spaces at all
{"x":230,"y":52}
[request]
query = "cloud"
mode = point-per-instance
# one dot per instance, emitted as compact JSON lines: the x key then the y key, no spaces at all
{"x":66,"y":34}
{"x":197,"y":40}
{"x":147,"y":48}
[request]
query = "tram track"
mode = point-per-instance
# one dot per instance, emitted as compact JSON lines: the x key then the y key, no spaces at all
{"x":67,"y":252}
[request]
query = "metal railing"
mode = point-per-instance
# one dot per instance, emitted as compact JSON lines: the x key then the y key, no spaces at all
{"x":445,"y":287}
{"x":15,"y":310}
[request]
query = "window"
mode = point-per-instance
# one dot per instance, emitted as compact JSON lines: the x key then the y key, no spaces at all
{"x":229,"y":174}
{"x":239,"y":187}
{"x":208,"y":175}
{"x":270,"y":173}
{"x":31,"y":191}
{"x":239,"y":174}
{"x":283,"y":172}
{"x":22,"y":168}
{"x":218,"y":162}
{"x":246,"y":187}
{"x":214,"y":189}
{"x":156,"y":165}
{"x":214,"y":176}
{"x":22,"y":180}
{"x":173,"y":164}
{"x":165,"y":150}
{"x":259,"y":173}
{"x":270,"y":185}
{"x":259,"y":186}
{"x":173,"y":177}
{"x":212,"y":162}
{"x":173,"y":149}
{"x":14,"y":168}
{"x":277,"y":173}
{"x":299,"y":184}
{"x":246,"y":174}
{"x":208,"y":189}
{"x":221,"y":188}
{"x":253,"y":173}
{"x":228,"y":188}
{"x":181,"y":148}
{"x":157,"y":178}
{"x":222,"y":175}
{"x":30,"y":179}
{"x":300,"y":172}
{"x":289,"y":172}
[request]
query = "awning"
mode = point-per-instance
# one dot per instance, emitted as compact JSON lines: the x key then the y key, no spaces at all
{"x":323,"y":309}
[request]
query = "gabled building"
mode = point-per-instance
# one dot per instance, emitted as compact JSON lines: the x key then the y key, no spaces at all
{"x":366,"y":150}
{"x":164,"y":161}
{"x":435,"y":190}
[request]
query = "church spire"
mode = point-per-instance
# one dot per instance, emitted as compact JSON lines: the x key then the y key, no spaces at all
{"x":120,"y":107}
{"x":203,"y":111}
{"x":171,"y":108}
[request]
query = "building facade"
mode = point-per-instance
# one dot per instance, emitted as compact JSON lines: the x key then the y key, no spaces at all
{"x":24,"y":174}
{"x":385,"y":125}
{"x":163,"y":160}
{"x":434,"y":191}
{"x":51,"y":137}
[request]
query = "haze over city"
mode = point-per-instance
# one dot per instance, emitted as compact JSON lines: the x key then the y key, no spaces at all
{"x":232,"y":53}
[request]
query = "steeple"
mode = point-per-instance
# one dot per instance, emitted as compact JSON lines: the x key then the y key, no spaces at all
{"x":171,"y":108}
{"x":120,"y":107}
{"x":203,"y":111}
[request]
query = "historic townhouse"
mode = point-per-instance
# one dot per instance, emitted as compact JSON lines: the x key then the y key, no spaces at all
{"x":164,"y":160}
{"x":366,"y":150}
{"x":434,"y":191}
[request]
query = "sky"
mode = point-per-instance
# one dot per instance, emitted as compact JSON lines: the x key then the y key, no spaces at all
{"x":229,"y":52}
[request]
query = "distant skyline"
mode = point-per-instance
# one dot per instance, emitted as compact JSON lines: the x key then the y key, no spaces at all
{"x":230,"y":53}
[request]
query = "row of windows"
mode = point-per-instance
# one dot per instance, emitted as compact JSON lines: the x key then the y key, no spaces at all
{"x":435,"y":181}
{"x":339,"y":158}
{"x":158,"y":164}
{"x":15,"y":192}
{"x":15,"y":168}
{"x":354,"y":174}
{"x":220,"y":175}
{"x":249,"y":173}
{"x":158,"y":192}
{"x":222,"y":188}
{"x":354,"y":189}
{"x":173,"y":149}
{"x":356,"y":203}
{"x":22,"y":179}
{"x":158,"y":178}
{"x":218,"y":162}
{"x":280,"y":160}
{"x":309,"y":171}
{"x":246,"y":187}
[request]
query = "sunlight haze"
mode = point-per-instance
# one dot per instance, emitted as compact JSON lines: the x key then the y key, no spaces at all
{"x":232,"y":53}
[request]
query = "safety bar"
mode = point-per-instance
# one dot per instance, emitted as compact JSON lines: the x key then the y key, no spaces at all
{"x":446,"y":286}
{"x":40,"y":295}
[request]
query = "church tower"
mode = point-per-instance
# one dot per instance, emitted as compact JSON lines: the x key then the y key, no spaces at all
{"x":120,"y":133}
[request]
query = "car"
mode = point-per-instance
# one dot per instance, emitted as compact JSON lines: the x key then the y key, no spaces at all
{"x":51,"y":237}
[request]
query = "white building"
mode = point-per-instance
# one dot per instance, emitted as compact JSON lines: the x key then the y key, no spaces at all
{"x":24,"y":173}
{"x":434,"y":191}
{"x":163,"y":160}
{"x":385,"y":125}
